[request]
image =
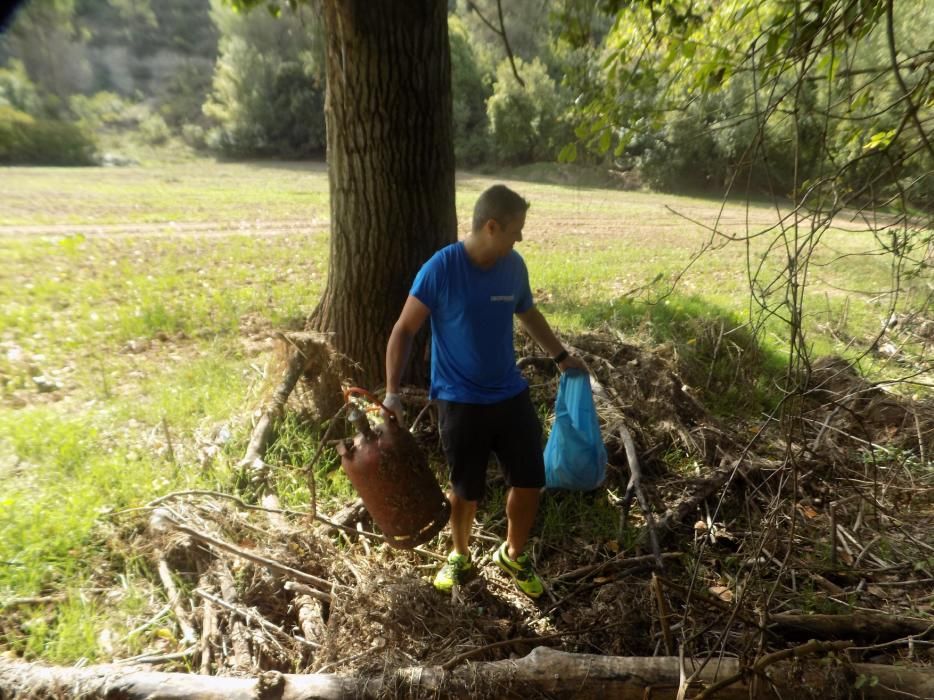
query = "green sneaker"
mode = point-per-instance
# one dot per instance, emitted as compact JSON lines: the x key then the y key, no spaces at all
{"x":521,"y":571}
{"x":453,"y":573}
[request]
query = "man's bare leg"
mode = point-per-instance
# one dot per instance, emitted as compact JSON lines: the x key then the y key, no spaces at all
{"x":521,"y":507}
{"x":461,"y":521}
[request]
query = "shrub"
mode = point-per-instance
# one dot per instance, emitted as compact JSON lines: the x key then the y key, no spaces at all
{"x":102,"y":109}
{"x":18,"y":91}
{"x":683,"y":155}
{"x":154,"y":130}
{"x":28,"y":141}
{"x":184,"y":95}
{"x":524,"y":121}
{"x":470,"y":88}
{"x":194,"y":135}
{"x":268,"y":89}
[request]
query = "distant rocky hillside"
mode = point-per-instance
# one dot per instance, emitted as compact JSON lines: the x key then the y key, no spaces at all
{"x":140,"y":47}
{"x":135,"y":48}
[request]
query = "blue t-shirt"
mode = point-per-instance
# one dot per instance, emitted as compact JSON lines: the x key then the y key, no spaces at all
{"x":472,"y":355}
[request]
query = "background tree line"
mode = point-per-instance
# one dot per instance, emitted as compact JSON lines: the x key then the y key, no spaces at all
{"x":252,"y":84}
{"x":661,"y":89}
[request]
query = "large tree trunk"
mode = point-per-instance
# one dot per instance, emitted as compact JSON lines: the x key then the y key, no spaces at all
{"x":390,"y":164}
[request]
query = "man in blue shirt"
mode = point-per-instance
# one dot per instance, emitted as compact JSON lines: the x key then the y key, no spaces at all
{"x":470,"y":290}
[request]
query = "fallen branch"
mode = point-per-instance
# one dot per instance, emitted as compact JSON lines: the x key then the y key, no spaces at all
{"x":32,"y":600}
{"x":275,"y":516}
{"x":704,"y":596}
{"x":634,"y":487}
{"x":241,"y":659}
{"x":251,"y":616}
{"x":208,"y":629}
{"x":858,"y":625}
{"x":189,"y":635}
{"x":812,"y":647}
{"x":302,"y":589}
{"x":544,"y":672}
{"x":310,"y":617}
{"x":829,"y":586}
{"x":163,"y":518}
{"x":663,"y":613}
{"x":351,"y":513}
{"x":476,"y":651}
{"x":619,"y":560}
{"x":262,"y":431}
{"x":156,"y":659}
{"x":703,"y":489}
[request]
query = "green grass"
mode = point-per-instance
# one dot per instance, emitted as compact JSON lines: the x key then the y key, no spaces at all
{"x":573,"y":516}
{"x":128,"y":299}
{"x":238,"y":194}
{"x":295,"y":447}
{"x":139,"y":330}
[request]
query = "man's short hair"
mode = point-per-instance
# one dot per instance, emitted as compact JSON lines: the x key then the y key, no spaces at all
{"x":499,"y":203}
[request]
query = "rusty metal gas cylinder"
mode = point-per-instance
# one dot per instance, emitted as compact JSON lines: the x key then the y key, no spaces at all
{"x":392,"y":476}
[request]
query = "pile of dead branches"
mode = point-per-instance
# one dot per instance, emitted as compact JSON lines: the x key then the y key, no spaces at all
{"x":745,"y":546}
{"x":711,"y":559}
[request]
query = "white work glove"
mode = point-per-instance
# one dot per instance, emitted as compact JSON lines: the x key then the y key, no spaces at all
{"x":394,"y":404}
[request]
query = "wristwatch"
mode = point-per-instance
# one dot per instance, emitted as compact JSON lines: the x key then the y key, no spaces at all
{"x":560,"y":357}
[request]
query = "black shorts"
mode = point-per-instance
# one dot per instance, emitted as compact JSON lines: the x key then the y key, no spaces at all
{"x":509,"y":429}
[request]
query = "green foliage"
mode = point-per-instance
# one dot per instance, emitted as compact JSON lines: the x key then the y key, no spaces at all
{"x":470,"y":87}
{"x":70,"y":473}
{"x":716,"y":353}
{"x":125,"y":125}
{"x":819,"y":108}
{"x":268,"y":90}
{"x":528,"y":26}
{"x":560,"y":40}
{"x":45,"y":39}
{"x":585,"y":518}
{"x":194,"y":135}
{"x":682,"y":154}
{"x":524,"y":121}
{"x":184,"y":94}
{"x":103,"y":109}
{"x":185,"y":27}
{"x":28,"y":141}
{"x":18,"y":91}
{"x":136,"y":16}
{"x":771,"y":95}
{"x":154,"y":130}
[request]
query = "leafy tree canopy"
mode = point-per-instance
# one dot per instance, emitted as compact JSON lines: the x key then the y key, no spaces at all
{"x":840,"y":79}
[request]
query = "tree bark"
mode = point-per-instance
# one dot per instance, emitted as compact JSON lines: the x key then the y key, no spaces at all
{"x":545,"y":672}
{"x":390,"y":166}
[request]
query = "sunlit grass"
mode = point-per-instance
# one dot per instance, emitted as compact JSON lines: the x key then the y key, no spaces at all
{"x":236,"y":194}
{"x":294,"y":454}
{"x":125,"y":349}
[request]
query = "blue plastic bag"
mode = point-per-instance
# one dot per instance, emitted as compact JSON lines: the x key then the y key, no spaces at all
{"x":575,"y":457}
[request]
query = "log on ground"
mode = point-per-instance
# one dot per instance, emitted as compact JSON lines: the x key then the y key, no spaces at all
{"x":544,"y":671}
{"x":866,"y":626}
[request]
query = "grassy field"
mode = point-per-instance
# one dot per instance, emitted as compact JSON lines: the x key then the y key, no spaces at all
{"x":135,"y":304}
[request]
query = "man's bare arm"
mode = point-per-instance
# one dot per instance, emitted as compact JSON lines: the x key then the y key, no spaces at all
{"x":413,"y":316}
